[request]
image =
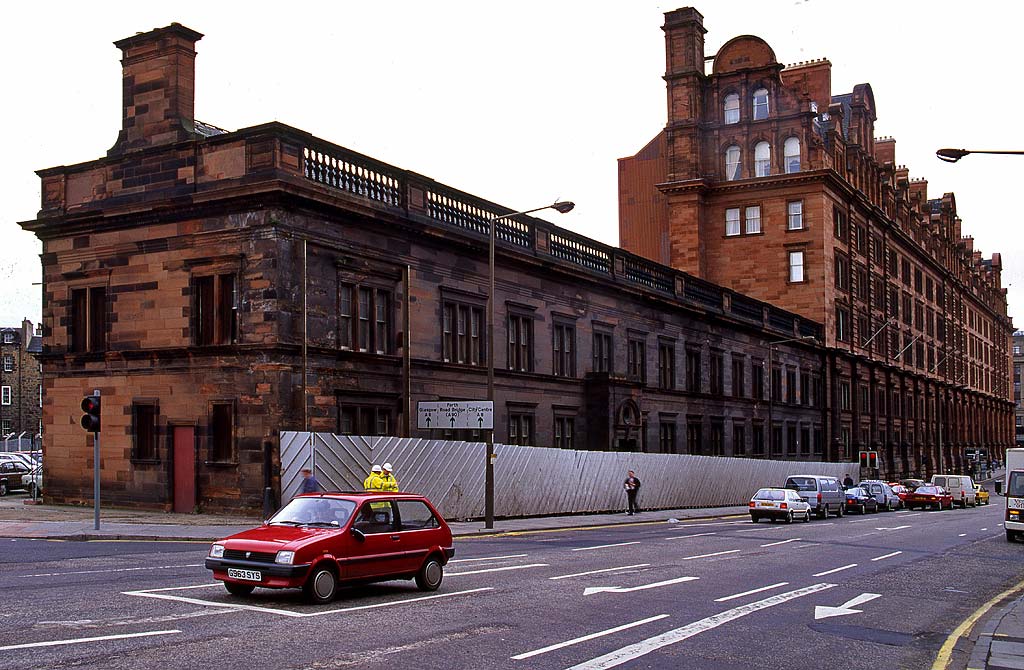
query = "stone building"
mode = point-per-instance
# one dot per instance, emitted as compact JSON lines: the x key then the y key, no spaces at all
{"x":767,"y":182}
{"x":21,"y":395}
{"x":1018,"y":402}
{"x":218,"y":287}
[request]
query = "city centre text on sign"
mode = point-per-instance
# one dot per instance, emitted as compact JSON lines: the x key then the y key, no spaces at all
{"x":467,"y":414}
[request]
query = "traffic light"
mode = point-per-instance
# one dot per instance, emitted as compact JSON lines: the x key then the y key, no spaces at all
{"x":873,"y":459}
{"x":863,"y":459}
{"x":91,"y":418}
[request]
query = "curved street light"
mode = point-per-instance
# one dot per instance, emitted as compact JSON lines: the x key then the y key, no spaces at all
{"x":953,"y":155}
{"x":561,"y":207}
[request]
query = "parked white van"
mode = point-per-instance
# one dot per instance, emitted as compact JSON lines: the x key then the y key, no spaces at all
{"x":823,"y":494}
{"x":961,"y":487}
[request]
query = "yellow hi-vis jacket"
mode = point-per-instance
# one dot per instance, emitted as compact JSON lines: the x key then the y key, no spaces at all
{"x":388,"y":482}
{"x":373,"y":482}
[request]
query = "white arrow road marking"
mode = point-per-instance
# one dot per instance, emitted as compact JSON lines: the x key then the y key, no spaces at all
{"x":568,"y":643}
{"x":717,"y":553}
{"x":894,"y":528}
{"x":829,"y":572}
{"x":846,"y":608}
{"x":501,"y":569}
{"x":633,"y":651}
{"x":885,"y":556}
{"x":772,"y":544}
{"x":752,"y":591}
{"x":605,"y":546}
{"x":630,"y":589}
{"x":56,"y":643}
{"x":594,"y":572}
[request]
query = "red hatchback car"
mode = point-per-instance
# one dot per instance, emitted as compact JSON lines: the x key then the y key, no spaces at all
{"x":319,"y":541}
{"x":929,"y":496}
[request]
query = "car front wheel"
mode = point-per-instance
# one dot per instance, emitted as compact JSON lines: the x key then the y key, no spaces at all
{"x":430,"y":575}
{"x":321,"y":586}
{"x":236,"y":589}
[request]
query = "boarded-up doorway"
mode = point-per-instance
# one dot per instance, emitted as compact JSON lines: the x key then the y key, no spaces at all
{"x":184,"y":469}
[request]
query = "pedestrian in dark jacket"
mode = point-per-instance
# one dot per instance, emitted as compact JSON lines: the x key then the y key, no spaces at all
{"x":632,"y":487}
{"x":309,"y":482}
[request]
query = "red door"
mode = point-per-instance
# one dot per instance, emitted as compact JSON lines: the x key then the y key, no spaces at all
{"x":184,"y":469}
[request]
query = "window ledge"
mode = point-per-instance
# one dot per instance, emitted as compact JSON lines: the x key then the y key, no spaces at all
{"x":221,"y":464}
{"x":145,"y":461}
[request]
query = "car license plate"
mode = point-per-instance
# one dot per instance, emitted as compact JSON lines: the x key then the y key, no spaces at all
{"x":767,"y":504}
{"x":248,"y":575}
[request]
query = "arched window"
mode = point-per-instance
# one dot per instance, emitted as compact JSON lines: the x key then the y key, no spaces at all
{"x":762,"y":159}
{"x":760,"y":104}
{"x":732,"y":163}
{"x":732,"y":108}
{"x":791,"y":151}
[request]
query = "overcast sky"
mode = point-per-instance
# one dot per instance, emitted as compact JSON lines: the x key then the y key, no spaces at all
{"x":520,"y":103}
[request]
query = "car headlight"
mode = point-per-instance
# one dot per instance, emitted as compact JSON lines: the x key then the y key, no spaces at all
{"x":217,"y":551}
{"x":285,"y":557}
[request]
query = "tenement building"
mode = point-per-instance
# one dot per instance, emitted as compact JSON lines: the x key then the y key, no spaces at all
{"x":21,"y":390}
{"x":768,"y":183}
{"x":218,"y":287}
{"x":1018,"y":403}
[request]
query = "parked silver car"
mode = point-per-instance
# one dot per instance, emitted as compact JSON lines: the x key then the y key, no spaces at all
{"x":784,"y":504}
{"x":883,"y":494}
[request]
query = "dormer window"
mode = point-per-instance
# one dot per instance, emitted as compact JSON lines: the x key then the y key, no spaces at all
{"x":762,"y":159}
{"x":760,"y":104}
{"x":732,"y":163}
{"x":732,"y":108}
{"x":791,"y":151}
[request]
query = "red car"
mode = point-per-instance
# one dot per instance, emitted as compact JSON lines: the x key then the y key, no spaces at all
{"x":929,"y":496}
{"x":319,"y":541}
{"x":901,"y":491}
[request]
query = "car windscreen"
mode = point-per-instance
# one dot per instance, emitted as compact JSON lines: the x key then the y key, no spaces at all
{"x":802,"y":483}
{"x":1016,"y":485}
{"x":314,"y":511}
{"x":770,"y":494}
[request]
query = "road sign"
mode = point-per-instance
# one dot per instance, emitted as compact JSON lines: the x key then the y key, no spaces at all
{"x":455,"y":414}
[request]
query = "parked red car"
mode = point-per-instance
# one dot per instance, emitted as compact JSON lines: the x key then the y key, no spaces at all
{"x":929,"y":496}
{"x":901,"y":491}
{"x":321,"y":540}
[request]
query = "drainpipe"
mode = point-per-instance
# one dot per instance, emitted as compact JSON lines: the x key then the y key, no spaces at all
{"x":407,"y":355}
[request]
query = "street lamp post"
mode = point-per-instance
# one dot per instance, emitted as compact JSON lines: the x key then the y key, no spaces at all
{"x":561,"y":207}
{"x":953,"y":155}
{"x":771,"y":384}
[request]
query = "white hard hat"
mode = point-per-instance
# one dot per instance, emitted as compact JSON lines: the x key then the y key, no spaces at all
{"x":375,"y":468}
{"x":387,"y":466}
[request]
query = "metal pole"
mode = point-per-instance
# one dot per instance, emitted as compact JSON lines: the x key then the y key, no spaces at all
{"x":489,"y":456}
{"x":96,"y":475}
{"x":771,"y":399}
{"x":305,"y":340}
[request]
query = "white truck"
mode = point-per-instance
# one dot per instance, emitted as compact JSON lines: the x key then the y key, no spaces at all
{"x":1014,"y":488}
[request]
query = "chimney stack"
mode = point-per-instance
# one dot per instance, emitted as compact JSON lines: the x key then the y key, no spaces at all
{"x":26,"y":332}
{"x":158,"y":83}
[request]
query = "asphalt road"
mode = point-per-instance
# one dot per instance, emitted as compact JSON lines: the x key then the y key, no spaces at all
{"x":720,"y":594}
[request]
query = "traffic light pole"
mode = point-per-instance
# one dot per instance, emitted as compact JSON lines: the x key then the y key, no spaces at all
{"x":96,"y":479}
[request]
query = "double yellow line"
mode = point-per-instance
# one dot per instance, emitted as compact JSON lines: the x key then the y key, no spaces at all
{"x":964,"y":629}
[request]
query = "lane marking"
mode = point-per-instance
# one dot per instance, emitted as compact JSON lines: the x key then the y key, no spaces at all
{"x":750,"y":592}
{"x":605,"y":546}
{"x":633,"y":651}
{"x":913,"y":514}
{"x":501,"y":569}
{"x":594,"y":572}
{"x":81,"y":640}
{"x":893,"y":528}
{"x":683,"y":537}
{"x":829,"y":572}
{"x":884,"y":556}
{"x":756,"y":530}
{"x":984,"y":528}
{"x":585,"y":638}
{"x":93,"y":572}
{"x":643,"y":587}
{"x":962,"y":535}
{"x":772,"y":544}
{"x":486,"y":558}
{"x":717,"y":553}
{"x":289,"y":613}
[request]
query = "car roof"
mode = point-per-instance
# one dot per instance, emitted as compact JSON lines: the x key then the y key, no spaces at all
{"x":360,"y":495}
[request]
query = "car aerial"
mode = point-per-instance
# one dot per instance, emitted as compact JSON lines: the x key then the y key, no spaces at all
{"x":883,"y":494}
{"x":981,"y":494}
{"x":319,"y":541}
{"x":929,"y":496}
{"x":10,"y":475}
{"x":33,"y":482}
{"x":860,"y":500}
{"x":772,"y":504}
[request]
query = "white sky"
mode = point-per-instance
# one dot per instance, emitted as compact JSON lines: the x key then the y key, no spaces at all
{"x":520,"y":103}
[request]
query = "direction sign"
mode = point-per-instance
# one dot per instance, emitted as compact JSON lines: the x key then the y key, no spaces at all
{"x":456,"y":414}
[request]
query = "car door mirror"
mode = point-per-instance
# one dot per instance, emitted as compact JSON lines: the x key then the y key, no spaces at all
{"x":358,"y":534}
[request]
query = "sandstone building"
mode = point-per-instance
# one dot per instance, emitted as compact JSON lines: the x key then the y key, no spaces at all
{"x":21,"y":397}
{"x":767,"y":182}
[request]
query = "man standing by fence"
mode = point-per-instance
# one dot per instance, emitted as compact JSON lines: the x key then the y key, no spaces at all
{"x":632,"y":487}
